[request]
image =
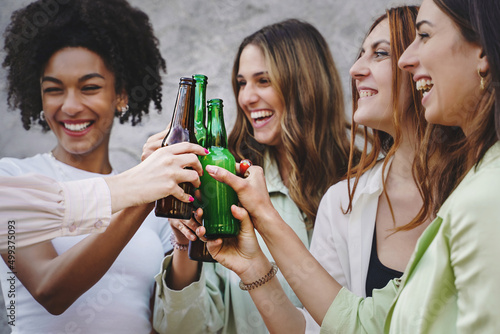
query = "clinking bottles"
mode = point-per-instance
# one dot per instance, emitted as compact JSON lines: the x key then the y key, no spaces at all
{"x":181,"y":130}
{"x":218,"y":197}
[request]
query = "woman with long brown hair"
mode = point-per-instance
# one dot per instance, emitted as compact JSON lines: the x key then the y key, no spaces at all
{"x":450,"y":283}
{"x":365,"y":233}
{"x":291,"y":122}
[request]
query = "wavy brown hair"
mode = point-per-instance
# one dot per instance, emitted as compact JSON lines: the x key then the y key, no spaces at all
{"x":120,"y":34}
{"x":402,"y":33}
{"x":314,"y":126}
{"x":446,"y":154}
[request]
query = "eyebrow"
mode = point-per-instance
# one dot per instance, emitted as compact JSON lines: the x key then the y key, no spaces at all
{"x":255,"y":74}
{"x":423,"y":22}
{"x":80,"y":80}
{"x":376,"y":44}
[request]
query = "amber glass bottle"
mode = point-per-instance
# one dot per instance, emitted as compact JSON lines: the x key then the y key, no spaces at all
{"x":218,"y":197}
{"x":181,"y":130}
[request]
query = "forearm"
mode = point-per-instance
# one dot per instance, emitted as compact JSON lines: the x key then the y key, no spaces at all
{"x":183,"y":271}
{"x":60,"y":281}
{"x":312,"y":284}
{"x":276,"y":309}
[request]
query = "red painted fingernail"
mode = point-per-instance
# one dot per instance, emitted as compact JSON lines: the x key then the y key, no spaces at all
{"x":207,"y":151}
{"x":191,"y":198}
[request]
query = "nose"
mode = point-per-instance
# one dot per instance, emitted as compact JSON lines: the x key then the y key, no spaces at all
{"x":248,"y":94}
{"x":72,"y":104}
{"x":409,"y":60}
{"x":359,"y":69}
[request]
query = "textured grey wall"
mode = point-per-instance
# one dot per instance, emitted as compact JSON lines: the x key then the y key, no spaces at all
{"x":199,"y":36}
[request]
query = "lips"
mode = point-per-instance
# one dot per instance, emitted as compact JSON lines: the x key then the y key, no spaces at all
{"x":367,"y":93}
{"x":260,"y":117}
{"x":76,"y":128}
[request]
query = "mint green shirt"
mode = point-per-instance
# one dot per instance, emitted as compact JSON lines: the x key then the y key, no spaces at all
{"x":452,"y":282}
{"x":215,"y":303}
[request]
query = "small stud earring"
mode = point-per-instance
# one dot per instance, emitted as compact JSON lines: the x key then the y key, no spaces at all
{"x":482,"y":84}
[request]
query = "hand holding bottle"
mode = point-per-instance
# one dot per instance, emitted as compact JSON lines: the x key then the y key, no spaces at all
{"x":158,"y":176}
{"x":185,"y":229}
{"x":252,"y":191}
{"x":153,"y":143}
{"x":241,"y":254}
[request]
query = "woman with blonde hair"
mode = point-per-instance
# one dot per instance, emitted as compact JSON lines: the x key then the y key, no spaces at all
{"x":291,"y":122}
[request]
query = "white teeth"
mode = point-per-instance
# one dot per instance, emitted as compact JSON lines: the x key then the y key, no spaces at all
{"x":424,"y":84}
{"x":77,"y":127}
{"x":366,"y":93}
{"x":260,"y":114}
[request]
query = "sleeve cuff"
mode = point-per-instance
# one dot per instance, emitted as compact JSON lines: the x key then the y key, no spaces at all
{"x":88,"y":206}
{"x":177,"y":299}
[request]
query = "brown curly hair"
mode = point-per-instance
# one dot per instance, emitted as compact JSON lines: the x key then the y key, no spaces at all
{"x":121,"y":35}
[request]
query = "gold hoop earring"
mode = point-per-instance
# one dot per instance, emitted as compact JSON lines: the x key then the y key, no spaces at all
{"x":482,"y":84}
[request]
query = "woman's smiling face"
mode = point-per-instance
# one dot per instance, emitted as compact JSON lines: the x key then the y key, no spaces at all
{"x":260,"y":102}
{"x":445,"y":66}
{"x":373,"y":75}
{"x":79,"y":99}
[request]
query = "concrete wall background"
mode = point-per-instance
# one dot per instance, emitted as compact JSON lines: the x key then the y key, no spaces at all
{"x":200,"y":36}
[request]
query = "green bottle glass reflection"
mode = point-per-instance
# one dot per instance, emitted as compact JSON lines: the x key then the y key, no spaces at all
{"x":218,"y":197}
{"x":200,"y":108}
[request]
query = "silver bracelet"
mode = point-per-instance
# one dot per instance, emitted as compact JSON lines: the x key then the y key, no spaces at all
{"x":261,"y":281}
{"x":178,"y":246}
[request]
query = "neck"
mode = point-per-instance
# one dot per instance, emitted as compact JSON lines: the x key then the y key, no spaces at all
{"x":402,"y":164}
{"x":96,"y":161}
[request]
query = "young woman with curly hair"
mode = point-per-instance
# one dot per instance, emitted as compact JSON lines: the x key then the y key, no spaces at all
{"x":73,"y":69}
{"x":291,"y":121}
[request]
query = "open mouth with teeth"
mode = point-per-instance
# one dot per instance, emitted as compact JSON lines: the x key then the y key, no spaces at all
{"x":424,"y":85}
{"x":261,"y":116}
{"x":367,"y":93}
{"x":77,"y":127}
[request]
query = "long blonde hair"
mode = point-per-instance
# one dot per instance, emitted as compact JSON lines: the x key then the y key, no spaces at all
{"x":314,"y":126}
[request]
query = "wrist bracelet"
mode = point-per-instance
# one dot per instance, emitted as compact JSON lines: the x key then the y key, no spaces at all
{"x":178,"y":246}
{"x":261,"y":281}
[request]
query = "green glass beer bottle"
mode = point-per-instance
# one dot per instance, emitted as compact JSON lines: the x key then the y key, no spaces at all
{"x":181,"y":130}
{"x":218,"y":197}
{"x":197,"y":249}
{"x":200,"y":108}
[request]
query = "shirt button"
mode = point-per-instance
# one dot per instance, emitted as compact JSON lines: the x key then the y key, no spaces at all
{"x":72,"y":228}
{"x":98,"y":224}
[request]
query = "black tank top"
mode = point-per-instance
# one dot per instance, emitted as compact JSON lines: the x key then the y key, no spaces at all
{"x":378,"y":275}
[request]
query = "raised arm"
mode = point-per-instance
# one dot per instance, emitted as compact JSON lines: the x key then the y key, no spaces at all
{"x":56,"y":281}
{"x":312,"y":284}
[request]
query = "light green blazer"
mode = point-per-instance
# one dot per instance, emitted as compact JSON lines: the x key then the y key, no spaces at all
{"x":452,"y":282}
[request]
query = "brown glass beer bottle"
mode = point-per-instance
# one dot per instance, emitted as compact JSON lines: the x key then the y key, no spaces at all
{"x":181,"y":130}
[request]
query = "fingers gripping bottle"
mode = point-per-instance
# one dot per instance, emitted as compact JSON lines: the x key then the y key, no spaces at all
{"x":181,"y":130}
{"x":218,"y":197}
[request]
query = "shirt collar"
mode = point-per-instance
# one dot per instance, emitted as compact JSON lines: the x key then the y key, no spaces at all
{"x":272,"y":173}
{"x":371,"y":182}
